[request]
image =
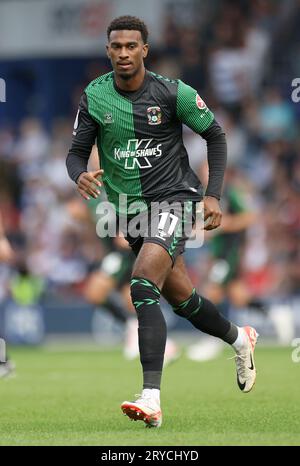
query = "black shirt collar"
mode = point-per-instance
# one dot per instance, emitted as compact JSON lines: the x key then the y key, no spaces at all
{"x":133,"y":95}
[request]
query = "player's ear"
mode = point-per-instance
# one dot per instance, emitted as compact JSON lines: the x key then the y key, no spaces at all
{"x":145,"y":50}
{"x":107,"y":51}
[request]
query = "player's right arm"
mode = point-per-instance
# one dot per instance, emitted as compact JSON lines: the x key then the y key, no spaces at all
{"x":84,"y":135}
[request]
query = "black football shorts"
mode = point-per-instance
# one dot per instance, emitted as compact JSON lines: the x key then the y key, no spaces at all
{"x":168,"y":224}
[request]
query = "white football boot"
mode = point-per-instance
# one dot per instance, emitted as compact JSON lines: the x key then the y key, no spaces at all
{"x":145,"y":408}
{"x":245,"y":367}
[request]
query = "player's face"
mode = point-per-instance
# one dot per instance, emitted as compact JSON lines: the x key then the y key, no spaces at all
{"x":126,"y":51}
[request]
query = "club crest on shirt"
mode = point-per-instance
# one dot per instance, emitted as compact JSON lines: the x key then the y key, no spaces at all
{"x":154,"y":115}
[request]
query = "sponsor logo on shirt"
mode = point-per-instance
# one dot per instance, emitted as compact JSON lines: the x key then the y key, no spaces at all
{"x":76,"y":124}
{"x":108,"y":118}
{"x":137,"y":153}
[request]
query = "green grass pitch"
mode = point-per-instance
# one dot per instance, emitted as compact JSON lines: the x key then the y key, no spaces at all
{"x":68,"y":397}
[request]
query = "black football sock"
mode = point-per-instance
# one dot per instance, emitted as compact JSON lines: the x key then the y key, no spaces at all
{"x":224,"y":308}
{"x":152,"y":330}
{"x":204,"y":315}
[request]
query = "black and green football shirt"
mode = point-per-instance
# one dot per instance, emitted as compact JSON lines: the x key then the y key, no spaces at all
{"x":139,"y":138}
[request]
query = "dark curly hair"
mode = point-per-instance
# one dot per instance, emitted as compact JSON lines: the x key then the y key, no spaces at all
{"x":131,"y":23}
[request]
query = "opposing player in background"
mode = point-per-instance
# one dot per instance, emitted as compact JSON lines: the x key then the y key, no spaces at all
{"x":136,"y":117}
{"x":225,"y":286}
{"x":6,"y":252}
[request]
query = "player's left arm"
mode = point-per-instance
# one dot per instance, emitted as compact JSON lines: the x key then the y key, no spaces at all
{"x":192,"y":111}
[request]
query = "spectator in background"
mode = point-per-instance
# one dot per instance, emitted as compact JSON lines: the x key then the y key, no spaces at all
{"x":6,"y":252}
{"x":250,"y":52}
{"x":237,"y":57}
{"x":7,"y":366}
{"x":32,"y":147}
{"x":224,"y":283}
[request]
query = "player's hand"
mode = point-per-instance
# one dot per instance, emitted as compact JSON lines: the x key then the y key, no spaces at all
{"x":88,"y":184}
{"x":6,"y":252}
{"x":212,"y":213}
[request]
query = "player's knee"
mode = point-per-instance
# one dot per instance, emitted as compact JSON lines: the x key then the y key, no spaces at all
{"x":142,"y":288}
{"x":144,"y":271}
{"x":189,"y":306}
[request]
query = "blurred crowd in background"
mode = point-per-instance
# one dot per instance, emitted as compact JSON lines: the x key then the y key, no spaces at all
{"x":241,"y":56}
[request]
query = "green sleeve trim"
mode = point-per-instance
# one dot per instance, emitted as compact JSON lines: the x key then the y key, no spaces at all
{"x":191,"y":109}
